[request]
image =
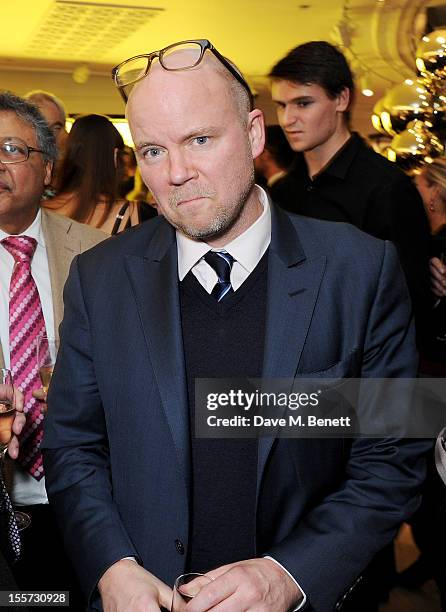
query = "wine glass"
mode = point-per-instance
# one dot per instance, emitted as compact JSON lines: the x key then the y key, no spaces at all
{"x":7,"y":410}
{"x":186,"y":587}
{"x":47,"y":348}
{"x":7,"y":414}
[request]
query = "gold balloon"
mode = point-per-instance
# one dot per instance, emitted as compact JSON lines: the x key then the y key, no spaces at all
{"x":413,"y":145}
{"x":404,"y":103}
{"x":431,"y":54}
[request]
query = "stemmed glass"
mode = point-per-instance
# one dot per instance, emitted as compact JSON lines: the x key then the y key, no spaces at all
{"x":7,"y":410}
{"x":47,"y":348}
{"x":186,"y":587}
{"x":7,"y":414}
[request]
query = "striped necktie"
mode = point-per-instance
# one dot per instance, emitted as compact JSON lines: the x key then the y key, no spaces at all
{"x":26,"y":324}
{"x":221,"y":262}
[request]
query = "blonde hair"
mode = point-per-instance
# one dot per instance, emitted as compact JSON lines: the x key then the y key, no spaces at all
{"x":435,"y":174}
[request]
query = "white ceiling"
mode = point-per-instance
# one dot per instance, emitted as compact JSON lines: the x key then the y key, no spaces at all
{"x":43,"y":41}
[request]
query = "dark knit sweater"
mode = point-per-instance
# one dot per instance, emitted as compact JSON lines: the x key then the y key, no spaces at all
{"x":223,"y":340}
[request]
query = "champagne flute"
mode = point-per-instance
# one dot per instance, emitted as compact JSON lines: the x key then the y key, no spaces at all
{"x":186,"y":587}
{"x":7,"y":414}
{"x":7,"y":410}
{"x":47,"y":348}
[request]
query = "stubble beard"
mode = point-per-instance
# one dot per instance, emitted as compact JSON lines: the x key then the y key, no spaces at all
{"x":224,"y":219}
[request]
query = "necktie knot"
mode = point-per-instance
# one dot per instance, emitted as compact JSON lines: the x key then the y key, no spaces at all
{"x":221,"y":262}
{"x":20,"y":247}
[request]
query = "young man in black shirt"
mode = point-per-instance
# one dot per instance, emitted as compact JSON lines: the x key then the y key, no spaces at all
{"x":335,"y":175}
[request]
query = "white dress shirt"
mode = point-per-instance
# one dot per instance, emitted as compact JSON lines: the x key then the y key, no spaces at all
{"x":247,"y":250}
{"x":26,"y":490}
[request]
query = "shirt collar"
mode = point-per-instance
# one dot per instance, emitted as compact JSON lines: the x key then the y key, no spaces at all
{"x":248,"y":248}
{"x":337,"y":166}
{"x":33,"y":231}
{"x":341,"y":161}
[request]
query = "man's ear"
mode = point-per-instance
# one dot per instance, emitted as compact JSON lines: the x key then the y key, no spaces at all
{"x":256,"y":132}
{"x":343,"y":100}
{"x":48,"y":170}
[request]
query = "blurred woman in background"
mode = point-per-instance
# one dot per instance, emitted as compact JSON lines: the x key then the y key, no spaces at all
{"x":429,"y":521}
{"x":90,"y":176}
{"x":431,"y":183}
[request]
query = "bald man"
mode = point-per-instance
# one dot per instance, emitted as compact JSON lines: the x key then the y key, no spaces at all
{"x":221,"y":285}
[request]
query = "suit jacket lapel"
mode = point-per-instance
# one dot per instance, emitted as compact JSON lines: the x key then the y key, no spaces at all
{"x":61,"y":247}
{"x":154,"y":280}
{"x":293,"y":286}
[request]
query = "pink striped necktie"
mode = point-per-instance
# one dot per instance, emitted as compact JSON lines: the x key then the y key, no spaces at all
{"x":26,"y":324}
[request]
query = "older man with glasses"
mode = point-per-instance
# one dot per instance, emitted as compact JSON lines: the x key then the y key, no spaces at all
{"x":222,"y":285}
{"x":54,"y":113}
{"x":36,"y":249}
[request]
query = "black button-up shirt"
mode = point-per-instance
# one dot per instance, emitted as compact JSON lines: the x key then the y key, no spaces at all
{"x":361,"y":187}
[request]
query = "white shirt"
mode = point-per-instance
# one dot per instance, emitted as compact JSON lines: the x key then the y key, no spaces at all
{"x":247,"y":250}
{"x":26,"y":490}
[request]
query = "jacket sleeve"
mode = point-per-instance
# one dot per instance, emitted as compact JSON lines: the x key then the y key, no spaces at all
{"x":76,"y":453}
{"x":338,"y":537}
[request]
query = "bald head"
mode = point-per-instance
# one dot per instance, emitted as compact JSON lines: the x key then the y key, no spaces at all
{"x":195,"y":144}
{"x":208,"y":66}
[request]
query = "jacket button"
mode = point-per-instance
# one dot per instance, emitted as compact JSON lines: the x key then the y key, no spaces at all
{"x":310,"y":187}
{"x":179,"y":546}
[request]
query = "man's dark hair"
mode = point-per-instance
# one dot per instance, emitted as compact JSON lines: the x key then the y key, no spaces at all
{"x":29,"y":113}
{"x":278,"y":146}
{"x":316,"y":63}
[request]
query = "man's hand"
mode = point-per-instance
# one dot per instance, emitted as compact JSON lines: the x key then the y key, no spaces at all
{"x":259,"y":585}
{"x":438,"y":277}
{"x":40,"y":395}
{"x":18,"y":423}
{"x":128,"y":587}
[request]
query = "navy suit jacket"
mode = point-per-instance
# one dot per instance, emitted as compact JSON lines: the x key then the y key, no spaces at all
{"x":117,"y":458}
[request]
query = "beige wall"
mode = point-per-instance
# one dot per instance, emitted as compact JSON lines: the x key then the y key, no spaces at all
{"x":97,"y":95}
